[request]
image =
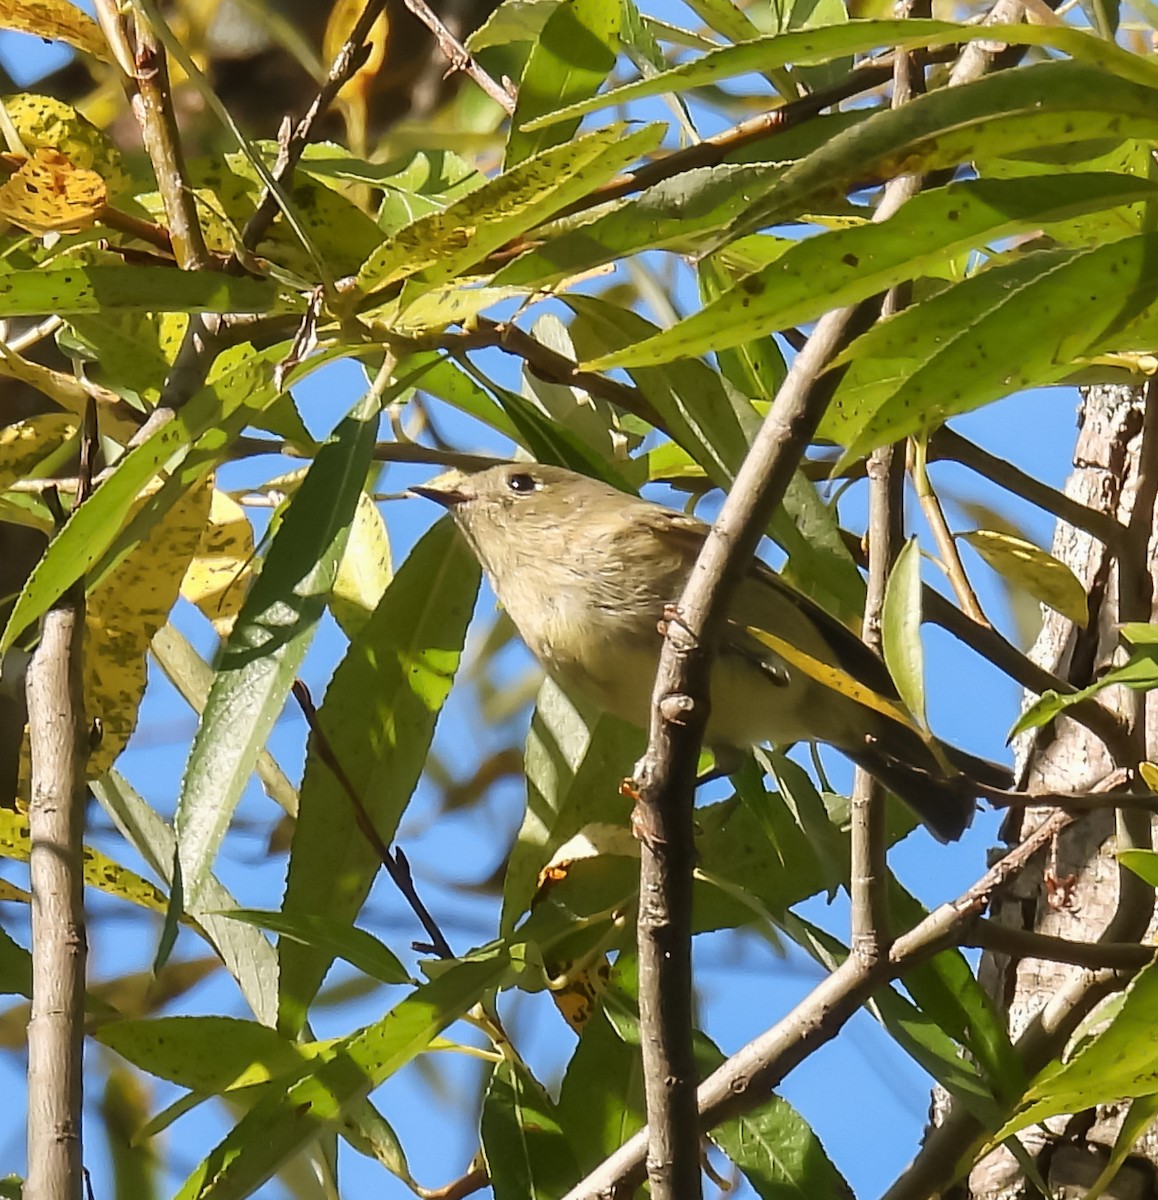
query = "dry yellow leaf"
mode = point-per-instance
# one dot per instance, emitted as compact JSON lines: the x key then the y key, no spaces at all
{"x":49,"y":194}
{"x":57,"y":21}
{"x":28,"y":443}
{"x":123,"y":613}
{"x":44,"y":121}
{"x":218,"y":577}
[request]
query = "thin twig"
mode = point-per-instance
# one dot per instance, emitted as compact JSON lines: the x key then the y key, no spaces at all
{"x":152,"y":105}
{"x":396,"y":864}
{"x":946,"y":545}
{"x":946,"y":443}
{"x":57,"y":745}
{"x":459,"y":57}
{"x":868,"y":870}
{"x":1027,"y":943}
{"x":342,"y":69}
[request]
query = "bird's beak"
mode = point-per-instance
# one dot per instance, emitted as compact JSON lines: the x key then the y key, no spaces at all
{"x":447,"y":489}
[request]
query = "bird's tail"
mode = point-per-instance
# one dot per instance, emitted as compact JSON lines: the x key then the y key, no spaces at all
{"x":944,"y":804}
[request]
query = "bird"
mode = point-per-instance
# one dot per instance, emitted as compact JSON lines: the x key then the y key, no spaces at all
{"x":589,"y":574}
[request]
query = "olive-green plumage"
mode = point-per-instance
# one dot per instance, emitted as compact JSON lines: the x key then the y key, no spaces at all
{"x":585,"y":572}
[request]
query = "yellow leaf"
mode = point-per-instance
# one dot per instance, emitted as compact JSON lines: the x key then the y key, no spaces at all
{"x":50,"y":194}
{"x":364,"y":572}
{"x":343,"y":16}
{"x":125,"y":609}
{"x":26,"y":444}
{"x":836,"y":679}
{"x":1149,"y":773}
{"x":1030,"y":568}
{"x":218,"y":577}
{"x":57,"y":21}
{"x":100,"y":871}
{"x":48,"y":123}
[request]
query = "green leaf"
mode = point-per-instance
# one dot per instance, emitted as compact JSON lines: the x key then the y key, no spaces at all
{"x":208,"y":1055}
{"x":1007,"y":112}
{"x":674,"y":215}
{"x":901,"y":629}
{"x":850,"y":265}
{"x":1022,"y":324}
{"x":688,"y":397}
{"x":526,"y":1154}
{"x":571,"y":57}
{"x":1034,"y":570}
{"x":378,"y":717}
{"x":65,"y":291}
{"x":444,"y":244}
{"x":284,"y":1122}
{"x":512,"y":21}
{"x":601,"y":1101}
{"x":1144,"y":864}
{"x":268,"y":642}
{"x":1139,"y":672}
{"x":1120,"y":1063}
{"x":810,"y":46}
{"x":248,"y":957}
{"x":575,"y":761}
{"x":357,"y":947}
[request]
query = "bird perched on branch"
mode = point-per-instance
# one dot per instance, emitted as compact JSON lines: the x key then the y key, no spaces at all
{"x":588,"y":574}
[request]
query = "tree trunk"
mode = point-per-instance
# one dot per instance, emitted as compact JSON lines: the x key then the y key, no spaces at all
{"x":1075,"y":894}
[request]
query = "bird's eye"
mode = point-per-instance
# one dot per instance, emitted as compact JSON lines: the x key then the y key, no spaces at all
{"x":521,"y":483}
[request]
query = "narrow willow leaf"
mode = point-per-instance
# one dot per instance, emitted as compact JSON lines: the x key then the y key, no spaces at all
{"x":248,"y":957}
{"x":356,"y":946}
{"x":574,"y":763}
{"x":365,"y":570}
{"x":91,"y":289}
{"x":526,"y":1153}
{"x":268,"y":642}
{"x":209,"y":1055}
{"x":571,"y":57}
{"x":849,"y":265}
{"x":1139,"y":673}
{"x":676,"y":214}
{"x":901,"y":629}
{"x":443,"y":244}
{"x":1049,"y":103}
{"x":1034,"y":570}
{"x":1024,"y":323}
{"x":282,"y":1123}
{"x":378,"y":716}
{"x":808,"y":46}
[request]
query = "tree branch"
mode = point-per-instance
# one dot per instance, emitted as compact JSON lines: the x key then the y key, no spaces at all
{"x":57,"y":744}
{"x":745,"y":1080}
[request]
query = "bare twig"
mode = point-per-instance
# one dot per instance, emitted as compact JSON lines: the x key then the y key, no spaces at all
{"x":396,"y":864}
{"x":152,"y":105}
{"x":342,"y":69}
{"x":868,"y":878}
{"x":57,"y":743}
{"x":939,"y":527}
{"x":1027,"y":943}
{"x":459,"y":57}
{"x":947,"y":443}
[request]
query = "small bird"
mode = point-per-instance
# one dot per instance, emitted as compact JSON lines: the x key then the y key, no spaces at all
{"x":588,"y":574}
